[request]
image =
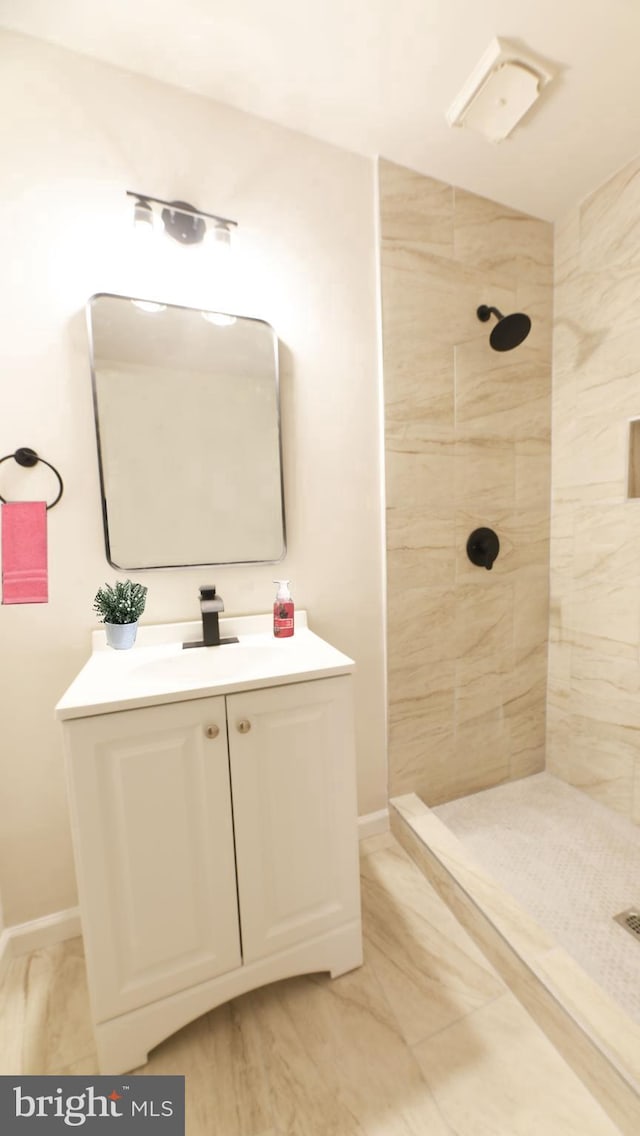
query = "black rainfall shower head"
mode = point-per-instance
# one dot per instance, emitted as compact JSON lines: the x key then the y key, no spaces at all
{"x":509,"y":331}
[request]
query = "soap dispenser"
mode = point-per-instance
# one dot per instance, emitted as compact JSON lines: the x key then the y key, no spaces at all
{"x":283,"y":611}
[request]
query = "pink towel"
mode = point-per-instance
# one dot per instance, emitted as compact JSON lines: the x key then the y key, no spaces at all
{"x":24,"y":552}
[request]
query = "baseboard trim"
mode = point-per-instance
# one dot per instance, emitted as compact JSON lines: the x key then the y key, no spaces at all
{"x":373,"y":823}
{"x":25,"y":937}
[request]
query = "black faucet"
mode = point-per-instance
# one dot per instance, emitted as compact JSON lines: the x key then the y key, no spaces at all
{"x":211,"y":605}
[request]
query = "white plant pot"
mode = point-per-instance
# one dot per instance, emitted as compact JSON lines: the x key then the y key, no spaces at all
{"x":121,"y":636}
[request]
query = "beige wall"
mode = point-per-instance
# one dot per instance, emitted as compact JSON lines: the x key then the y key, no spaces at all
{"x":74,"y":135}
{"x":594,"y":678}
{"x":467,"y":445}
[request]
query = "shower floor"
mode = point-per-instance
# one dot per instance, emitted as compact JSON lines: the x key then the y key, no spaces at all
{"x":569,"y":861}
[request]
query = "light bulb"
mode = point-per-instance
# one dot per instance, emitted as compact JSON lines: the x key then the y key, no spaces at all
{"x":218,"y":318}
{"x":220,"y":239}
{"x":148,"y":306}
{"x":143,"y":219}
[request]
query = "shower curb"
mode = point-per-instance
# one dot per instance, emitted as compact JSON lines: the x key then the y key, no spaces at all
{"x":593,"y":1035}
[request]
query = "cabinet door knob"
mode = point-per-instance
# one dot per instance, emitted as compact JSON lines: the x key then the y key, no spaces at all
{"x":244,"y":726}
{"x":212,"y":731}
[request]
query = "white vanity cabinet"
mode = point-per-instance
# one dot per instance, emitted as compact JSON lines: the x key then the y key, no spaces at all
{"x":294,"y":809}
{"x":153,"y":835}
{"x":216,"y":849}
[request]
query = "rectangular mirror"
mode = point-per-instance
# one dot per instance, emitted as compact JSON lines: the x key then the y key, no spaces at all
{"x":188,"y":429}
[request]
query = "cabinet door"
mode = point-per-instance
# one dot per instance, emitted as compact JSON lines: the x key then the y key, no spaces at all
{"x":153,"y":837}
{"x":293,"y":781}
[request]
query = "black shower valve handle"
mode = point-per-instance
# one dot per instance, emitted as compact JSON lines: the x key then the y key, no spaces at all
{"x":483,"y":547}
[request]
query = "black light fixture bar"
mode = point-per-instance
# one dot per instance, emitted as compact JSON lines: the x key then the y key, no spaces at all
{"x":182,"y":207}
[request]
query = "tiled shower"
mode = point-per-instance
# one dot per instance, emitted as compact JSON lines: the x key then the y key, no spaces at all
{"x":467,"y":440}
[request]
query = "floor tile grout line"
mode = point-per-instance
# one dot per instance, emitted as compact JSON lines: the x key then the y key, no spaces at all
{"x":506,"y":993}
{"x":487,"y":967}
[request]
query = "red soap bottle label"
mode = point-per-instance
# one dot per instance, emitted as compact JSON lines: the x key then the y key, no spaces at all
{"x":283,"y":618}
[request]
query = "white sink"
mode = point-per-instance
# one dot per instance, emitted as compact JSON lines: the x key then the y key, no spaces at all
{"x":160,"y":670}
{"x":200,"y":664}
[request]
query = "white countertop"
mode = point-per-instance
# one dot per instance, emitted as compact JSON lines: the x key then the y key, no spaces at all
{"x":158,"y":670}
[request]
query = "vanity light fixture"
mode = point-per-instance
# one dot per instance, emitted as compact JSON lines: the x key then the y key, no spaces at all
{"x":182,"y":221}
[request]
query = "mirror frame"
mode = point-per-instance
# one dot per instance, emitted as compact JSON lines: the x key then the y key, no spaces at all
{"x":96,"y":417}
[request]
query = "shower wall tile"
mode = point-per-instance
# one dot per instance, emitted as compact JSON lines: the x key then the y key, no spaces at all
{"x":604,"y":686}
{"x":566,"y":245}
{"x":527,"y":745}
{"x":433,"y":296}
{"x":422,"y":644}
{"x":483,"y":618}
{"x":428,"y":710}
{"x":482,"y":685}
{"x":610,"y":221}
{"x":558,"y":744}
{"x":526,"y":740}
{"x":500,"y":242}
{"x":531,"y":608}
{"x":529,"y":534}
{"x":420,"y":477}
{"x":429,"y":770}
{"x":608,"y":367}
{"x":467,"y":445}
{"x":603,"y":298}
{"x":420,"y":547}
{"x":533,"y":472}
{"x":480,"y":758}
{"x":595,"y":538}
{"x":605,"y":612}
{"x":602,"y":761}
{"x":427,"y":760}
{"x":533,"y":298}
{"x":635,"y":790}
{"x":419,"y":403}
{"x":501,"y":396}
{"x":422,"y":618}
{"x":417,"y":210}
{"x":485,"y":475}
{"x":422,"y":748}
{"x":431,"y":563}
{"x":599,"y":457}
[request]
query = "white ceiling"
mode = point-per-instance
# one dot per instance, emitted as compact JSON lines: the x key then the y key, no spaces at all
{"x":377,"y":76}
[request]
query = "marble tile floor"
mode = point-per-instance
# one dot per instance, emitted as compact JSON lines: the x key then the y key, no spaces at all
{"x":423,"y":1040}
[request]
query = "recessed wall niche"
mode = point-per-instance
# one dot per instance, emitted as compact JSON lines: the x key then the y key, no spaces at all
{"x":633,"y":478}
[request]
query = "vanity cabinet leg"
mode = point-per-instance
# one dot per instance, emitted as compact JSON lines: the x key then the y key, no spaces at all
{"x":348,"y":953}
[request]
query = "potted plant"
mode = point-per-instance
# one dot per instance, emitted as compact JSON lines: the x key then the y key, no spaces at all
{"x":120,"y":608}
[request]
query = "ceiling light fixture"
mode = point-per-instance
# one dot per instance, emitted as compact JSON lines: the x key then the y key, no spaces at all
{"x":181,"y":221}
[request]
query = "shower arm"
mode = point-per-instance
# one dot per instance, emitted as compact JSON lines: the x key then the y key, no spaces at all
{"x":484,"y":313}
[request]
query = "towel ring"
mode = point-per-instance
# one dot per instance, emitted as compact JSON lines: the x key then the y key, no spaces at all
{"x":27,"y":457}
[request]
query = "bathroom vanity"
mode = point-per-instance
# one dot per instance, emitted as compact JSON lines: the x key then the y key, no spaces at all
{"x":213,"y":807}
